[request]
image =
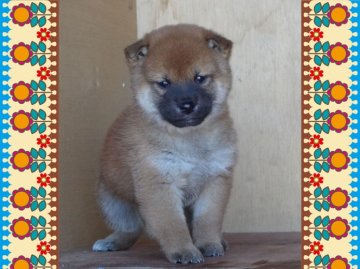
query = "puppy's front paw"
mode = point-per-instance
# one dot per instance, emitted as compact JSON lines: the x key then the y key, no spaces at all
{"x":184,"y":256}
{"x":212,"y":249}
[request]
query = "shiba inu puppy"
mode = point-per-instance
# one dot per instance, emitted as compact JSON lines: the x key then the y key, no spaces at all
{"x":168,"y":159}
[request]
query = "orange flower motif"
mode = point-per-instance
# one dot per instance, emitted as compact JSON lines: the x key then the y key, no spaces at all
{"x":43,"y":247}
{"x":316,"y":141}
{"x":316,"y":180}
{"x":316,"y":248}
{"x":43,"y":141}
{"x":316,"y":34}
{"x":43,"y":73}
{"x":316,"y":73}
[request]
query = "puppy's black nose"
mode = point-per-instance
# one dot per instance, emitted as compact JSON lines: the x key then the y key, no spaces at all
{"x":187,"y":107}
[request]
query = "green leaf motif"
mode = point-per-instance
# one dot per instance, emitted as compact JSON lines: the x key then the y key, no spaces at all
{"x":34,"y":222}
{"x":317,"y":128}
{"x":42,"y":114}
{"x":33,"y":85}
{"x":326,"y":85}
{"x":317,"y":114}
{"x":34,"y":21}
{"x":325,"y":234}
{"x":34,"y":234}
{"x":317,"y":205}
{"x":317,"y":60}
{"x":326,"y":60}
{"x":317,"y":234}
{"x":34,"y":260}
{"x":325,"y":153}
{"x":34,"y":153}
{"x":42,"y":205}
{"x":42,"y":193}
{"x":42,"y":46}
{"x":34,"y":128}
{"x":317,"y":21}
{"x":42,"y":21}
{"x":34,"y":8}
{"x":34,"y":114}
{"x":42,"y":260}
{"x":34,"y":206}
{"x":326,"y":46}
{"x":42,"y":99}
{"x":42,"y":153}
{"x":326,"y":99}
{"x":34,"y":192}
{"x":326,"y":260}
{"x":42,"y":167}
{"x":34,"y":47}
{"x":317,"y":8}
{"x":42,"y":221}
{"x":317,"y":221}
{"x":326,"y":192}
{"x":317,"y":167}
{"x":325,"y":21}
{"x":42,"y":60}
{"x":317,"y":99}
{"x":317,"y":260}
{"x":42,"y":85}
{"x":326,"y":205}
{"x":34,"y":60}
{"x":42,"y":128}
{"x":34,"y":167}
{"x":317,"y":153}
{"x":317,"y":192}
{"x":326,"y":128}
{"x":317,"y":85}
{"x":42,"y":8}
{"x":317,"y":47}
{"x":325,"y":166}
{"x":42,"y":234}
{"x":325,"y":114}
{"x":34,"y":99}
{"x":326,"y":221}
{"x":325,"y":8}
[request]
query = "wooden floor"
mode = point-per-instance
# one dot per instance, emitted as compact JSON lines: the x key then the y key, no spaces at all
{"x":247,"y":251}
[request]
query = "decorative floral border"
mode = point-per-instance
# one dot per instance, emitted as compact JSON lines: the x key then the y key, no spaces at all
{"x":29,"y":111}
{"x":329,"y":137}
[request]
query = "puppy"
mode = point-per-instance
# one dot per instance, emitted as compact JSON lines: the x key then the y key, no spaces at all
{"x":168,"y":159}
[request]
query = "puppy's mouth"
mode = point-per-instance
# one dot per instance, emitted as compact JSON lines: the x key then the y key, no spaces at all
{"x":186,"y":122}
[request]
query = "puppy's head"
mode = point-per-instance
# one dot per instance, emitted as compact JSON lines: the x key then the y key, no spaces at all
{"x":180,"y":74}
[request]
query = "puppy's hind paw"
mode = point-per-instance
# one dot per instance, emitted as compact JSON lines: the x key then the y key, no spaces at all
{"x":105,"y":245}
{"x":212,"y":249}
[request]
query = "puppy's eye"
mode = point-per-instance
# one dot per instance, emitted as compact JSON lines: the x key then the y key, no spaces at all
{"x":164,"y":83}
{"x":200,"y":79}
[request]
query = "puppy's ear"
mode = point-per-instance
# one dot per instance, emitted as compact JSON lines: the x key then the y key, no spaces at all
{"x":136,"y":52}
{"x":219,"y":43}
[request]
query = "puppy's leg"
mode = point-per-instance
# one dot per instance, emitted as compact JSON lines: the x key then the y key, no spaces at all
{"x":162,"y":210}
{"x":123,"y":218}
{"x":208,"y":214}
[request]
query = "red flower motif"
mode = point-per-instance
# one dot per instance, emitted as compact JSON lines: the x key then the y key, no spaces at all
{"x":316,"y":34}
{"x":316,"y":73}
{"x":43,"y":34}
{"x":316,"y":141}
{"x":316,"y":180}
{"x":316,"y":248}
{"x":43,"y":73}
{"x":43,"y":247}
{"x":43,"y":180}
{"x":43,"y":141}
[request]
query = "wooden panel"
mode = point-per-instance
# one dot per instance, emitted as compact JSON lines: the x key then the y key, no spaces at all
{"x":265,"y":101}
{"x":93,"y":83}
